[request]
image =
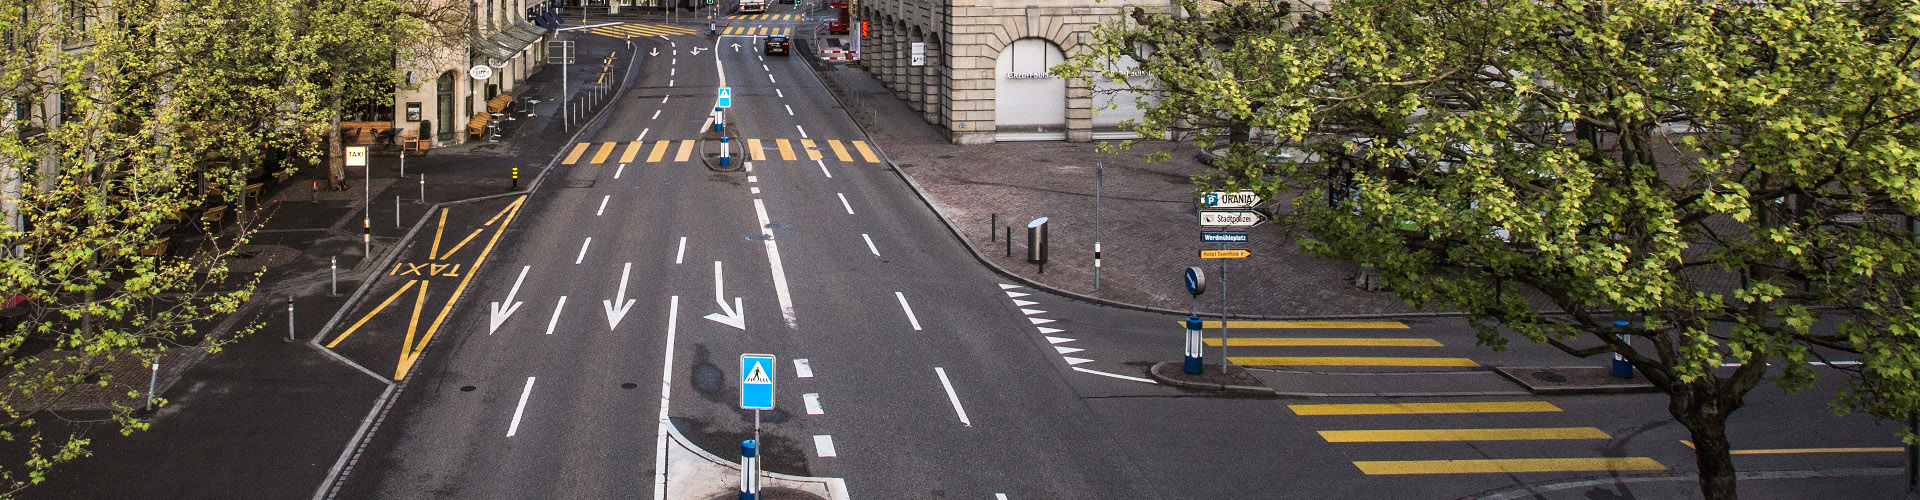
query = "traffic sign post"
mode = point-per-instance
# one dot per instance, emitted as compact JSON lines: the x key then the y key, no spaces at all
{"x":756,"y":391}
{"x":1193,"y":346}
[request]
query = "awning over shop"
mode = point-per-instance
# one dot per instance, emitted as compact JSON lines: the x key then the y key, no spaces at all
{"x":500,"y":47}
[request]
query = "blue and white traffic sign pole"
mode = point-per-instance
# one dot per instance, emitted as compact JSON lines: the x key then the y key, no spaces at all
{"x":1193,"y":364}
{"x":749,"y":470}
{"x":1622,"y":368}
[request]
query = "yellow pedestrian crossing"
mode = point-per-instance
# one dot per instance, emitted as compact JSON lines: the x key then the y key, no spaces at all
{"x":754,"y":152}
{"x":768,"y":17}
{"x":683,"y":150}
{"x":626,"y":30}
{"x":1318,"y":325}
{"x":1508,"y":465}
{"x":756,"y":31}
{"x":1423,"y":408}
{"x":1421,"y":435}
{"x":1325,"y":342}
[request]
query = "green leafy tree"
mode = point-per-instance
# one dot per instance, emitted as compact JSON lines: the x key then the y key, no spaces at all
{"x":1737,"y":178}
{"x":341,"y":55}
{"x":123,"y":116}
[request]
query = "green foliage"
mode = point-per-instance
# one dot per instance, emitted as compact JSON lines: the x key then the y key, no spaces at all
{"x":1736,"y":177}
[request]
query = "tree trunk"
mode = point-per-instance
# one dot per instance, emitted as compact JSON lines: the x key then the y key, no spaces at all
{"x":1706,"y":422}
{"x":336,"y":154}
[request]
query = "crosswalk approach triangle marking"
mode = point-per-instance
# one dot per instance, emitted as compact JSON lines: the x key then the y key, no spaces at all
{"x":758,"y":376}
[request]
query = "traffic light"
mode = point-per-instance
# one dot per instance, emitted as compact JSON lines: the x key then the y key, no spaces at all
{"x":863,"y":28}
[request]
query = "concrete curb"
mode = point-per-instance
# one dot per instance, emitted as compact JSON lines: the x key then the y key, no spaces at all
{"x":830,"y":488}
{"x":386,"y":399}
{"x":1163,"y":372}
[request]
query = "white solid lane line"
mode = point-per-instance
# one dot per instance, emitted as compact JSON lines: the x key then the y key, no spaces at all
{"x":870,"y":247}
{"x":823,"y":445}
{"x":617,"y":171}
{"x":813,"y":403}
{"x":952,"y":397}
{"x":583,"y":250}
{"x":843,"y":203}
{"x":603,"y":205}
{"x":802,"y":368}
{"x":1115,"y":375}
{"x":666,"y":392}
{"x":789,"y":109}
{"x":521,"y":409}
{"x":823,"y":168}
{"x":681,"y":255}
{"x":779,"y":271}
{"x":555,"y":321}
{"x":908,"y":309}
{"x":803,"y":131}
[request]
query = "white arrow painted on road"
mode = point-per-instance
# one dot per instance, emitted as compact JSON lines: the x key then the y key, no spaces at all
{"x":615,"y":314}
{"x":696,"y":50}
{"x":736,"y":47}
{"x":499,"y":316}
{"x":656,"y":52}
{"x":734,"y":316}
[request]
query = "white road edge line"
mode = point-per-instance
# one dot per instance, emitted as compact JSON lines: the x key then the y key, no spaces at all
{"x":583,"y":250}
{"x":908,"y":309}
{"x":823,"y":445}
{"x":843,"y":202}
{"x":812,"y":400}
{"x":681,"y":255}
{"x":955,"y":398}
{"x":1115,"y":375}
{"x":555,"y":321}
{"x":521,"y":409}
{"x":823,"y":168}
{"x":779,"y":271}
{"x":870,"y":247}
{"x":603,"y":205}
{"x":666,"y":393}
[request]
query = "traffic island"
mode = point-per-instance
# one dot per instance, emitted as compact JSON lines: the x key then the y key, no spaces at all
{"x":1574,"y":380}
{"x":1211,"y":378}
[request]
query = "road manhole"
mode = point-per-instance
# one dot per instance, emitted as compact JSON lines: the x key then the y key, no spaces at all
{"x":629,"y":385}
{"x":467,"y":388}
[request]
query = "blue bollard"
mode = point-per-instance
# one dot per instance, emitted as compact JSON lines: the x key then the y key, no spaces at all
{"x":1193,"y":365}
{"x":749,"y":470}
{"x":1622,"y":368}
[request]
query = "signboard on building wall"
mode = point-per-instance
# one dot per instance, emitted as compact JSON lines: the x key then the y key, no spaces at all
{"x":919,"y":54}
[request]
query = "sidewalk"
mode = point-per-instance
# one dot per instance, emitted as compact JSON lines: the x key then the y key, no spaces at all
{"x":1148,"y":224}
{"x":268,"y":418}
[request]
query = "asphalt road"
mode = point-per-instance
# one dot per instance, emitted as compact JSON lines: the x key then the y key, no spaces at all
{"x":625,"y":290}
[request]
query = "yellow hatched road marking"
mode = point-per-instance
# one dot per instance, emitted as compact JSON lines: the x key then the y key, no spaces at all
{"x":659,"y":151}
{"x":754,"y":152}
{"x":839,"y":151}
{"x":1508,"y":466}
{"x":763,"y":30}
{"x":686,"y":151}
{"x":406,"y":360}
{"x":413,"y":324}
{"x":1395,"y":325}
{"x":1312,"y":342}
{"x":786,"y":149}
{"x":1349,"y":361}
{"x":1416,"y":435}
{"x":437,"y":231}
{"x":456,"y":248}
{"x":865,"y":154}
{"x":813,"y":151}
{"x":578,"y":149}
{"x":376,"y":310}
{"x":1792,"y":451}
{"x":1423,"y":408}
{"x":633,"y":149}
{"x":601,"y":155}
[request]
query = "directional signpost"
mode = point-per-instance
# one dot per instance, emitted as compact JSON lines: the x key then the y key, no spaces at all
{"x":1237,"y":219}
{"x":1225,"y":254}
{"x":1223,"y":237}
{"x":1236,"y":199}
{"x":1233,"y":211}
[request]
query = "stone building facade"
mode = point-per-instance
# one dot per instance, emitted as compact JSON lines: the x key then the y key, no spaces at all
{"x":440,"y":96}
{"x":984,"y":73}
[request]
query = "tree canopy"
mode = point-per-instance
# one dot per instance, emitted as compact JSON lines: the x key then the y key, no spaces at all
{"x":1738,"y":179}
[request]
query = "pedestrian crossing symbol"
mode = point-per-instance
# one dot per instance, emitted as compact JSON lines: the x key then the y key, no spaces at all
{"x":726,"y":98}
{"x":756,"y":381}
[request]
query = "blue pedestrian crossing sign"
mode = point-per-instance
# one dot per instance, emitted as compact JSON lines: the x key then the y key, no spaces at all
{"x":726,"y":98}
{"x":756,"y":381}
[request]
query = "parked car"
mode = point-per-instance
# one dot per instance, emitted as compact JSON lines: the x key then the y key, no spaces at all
{"x":776,"y":44}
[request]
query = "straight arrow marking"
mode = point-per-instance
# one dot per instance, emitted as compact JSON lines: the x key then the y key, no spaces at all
{"x":499,"y":316}
{"x":734,"y":316}
{"x":617,"y":313}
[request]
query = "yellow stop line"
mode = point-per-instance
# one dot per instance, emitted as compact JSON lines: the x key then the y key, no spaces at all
{"x":1423,"y":408}
{"x":1508,"y":466}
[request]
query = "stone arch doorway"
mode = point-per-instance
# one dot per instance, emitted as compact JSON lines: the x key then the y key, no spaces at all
{"x":443,"y":101}
{"x":1029,"y":104}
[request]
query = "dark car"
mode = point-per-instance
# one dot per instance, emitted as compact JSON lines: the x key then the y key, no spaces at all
{"x":776,"y":44}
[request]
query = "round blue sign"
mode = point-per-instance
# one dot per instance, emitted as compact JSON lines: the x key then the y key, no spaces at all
{"x":1196,"y":281}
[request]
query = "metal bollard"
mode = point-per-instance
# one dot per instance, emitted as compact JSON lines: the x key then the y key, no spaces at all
{"x":290,"y":337}
{"x":333,"y":264}
{"x":1622,"y":368}
{"x":993,"y":223}
{"x":516,"y":178}
{"x":316,"y":192}
{"x":423,"y":187}
{"x":1037,"y":243}
{"x":396,"y":211}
